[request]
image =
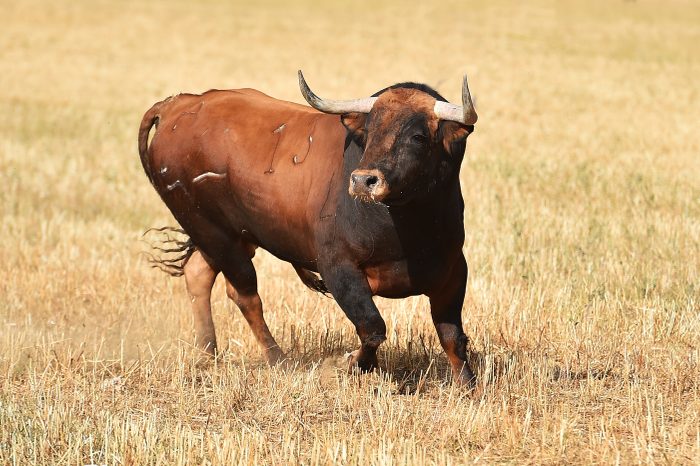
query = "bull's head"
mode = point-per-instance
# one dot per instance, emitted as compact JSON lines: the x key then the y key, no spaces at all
{"x":412,"y":139}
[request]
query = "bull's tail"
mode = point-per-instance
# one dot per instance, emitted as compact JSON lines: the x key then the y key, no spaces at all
{"x":150,"y":118}
{"x":171,"y":248}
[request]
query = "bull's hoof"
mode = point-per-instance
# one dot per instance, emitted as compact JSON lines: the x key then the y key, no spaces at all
{"x":465,"y":378}
{"x":275,"y":356}
{"x":206,"y":355}
{"x":207,"y":348}
{"x":362,"y":362}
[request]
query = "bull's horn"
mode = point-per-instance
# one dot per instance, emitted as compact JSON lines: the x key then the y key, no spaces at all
{"x":465,"y":114}
{"x":334,"y":106}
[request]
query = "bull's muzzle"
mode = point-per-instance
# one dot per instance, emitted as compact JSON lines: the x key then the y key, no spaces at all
{"x":368,"y":185}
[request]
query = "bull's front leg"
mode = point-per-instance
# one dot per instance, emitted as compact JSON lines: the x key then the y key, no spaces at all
{"x":349,"y":287}
{"x":446,"y":310}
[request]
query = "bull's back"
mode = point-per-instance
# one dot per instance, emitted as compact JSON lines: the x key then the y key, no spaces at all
{"x":247,"y":164}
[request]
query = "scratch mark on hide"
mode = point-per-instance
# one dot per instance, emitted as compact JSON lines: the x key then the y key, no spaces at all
{"x":296,"y":158}
{"x":278,"y":132}
{"x":323,"y":216}
{"x":163,"y":170}
{"x":176,"y":184}
{"x":195,"y":113}
{"x":206,"y":175}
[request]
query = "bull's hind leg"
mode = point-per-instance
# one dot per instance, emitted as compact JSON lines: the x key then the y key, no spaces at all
{"x":251,"y":307}
{"x":232,"y":256}
{"x":242,"y":288}
{"x":199,"y":278}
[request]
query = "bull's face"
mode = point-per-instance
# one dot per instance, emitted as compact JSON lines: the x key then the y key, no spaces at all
{"x":408,"y":150}
{"x":411,"y":141}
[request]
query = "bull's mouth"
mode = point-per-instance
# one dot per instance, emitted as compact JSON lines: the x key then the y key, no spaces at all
{"x":368,"y":186}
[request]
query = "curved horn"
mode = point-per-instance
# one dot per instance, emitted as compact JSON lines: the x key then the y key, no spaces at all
{"x":465,"y":114}
{"x":334,"y":106}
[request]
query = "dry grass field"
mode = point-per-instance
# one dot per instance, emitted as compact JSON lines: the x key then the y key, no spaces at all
{"x":582,"y":187}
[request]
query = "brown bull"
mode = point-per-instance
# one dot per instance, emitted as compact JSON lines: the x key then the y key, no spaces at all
{"x":365,"y":193}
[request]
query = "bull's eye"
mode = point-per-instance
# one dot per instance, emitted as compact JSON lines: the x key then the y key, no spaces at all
{"x":419,"y":138}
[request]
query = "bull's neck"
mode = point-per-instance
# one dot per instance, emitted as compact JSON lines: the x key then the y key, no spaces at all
{"x":432,"y":207}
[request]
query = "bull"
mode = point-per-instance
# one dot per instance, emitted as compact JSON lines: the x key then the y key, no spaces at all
{"x":361,"y":196}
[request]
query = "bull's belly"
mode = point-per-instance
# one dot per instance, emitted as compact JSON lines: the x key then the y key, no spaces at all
{"x":397,"y":279}
{"x":286,"y":236}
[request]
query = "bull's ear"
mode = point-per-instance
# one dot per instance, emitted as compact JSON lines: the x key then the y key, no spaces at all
{"x":453,"y":135}
{"x":355,"y":124}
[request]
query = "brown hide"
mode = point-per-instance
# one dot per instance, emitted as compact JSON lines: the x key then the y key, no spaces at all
{"x":252,"y":164}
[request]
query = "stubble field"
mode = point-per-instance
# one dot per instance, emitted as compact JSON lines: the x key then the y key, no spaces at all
{"x":582,"y":191}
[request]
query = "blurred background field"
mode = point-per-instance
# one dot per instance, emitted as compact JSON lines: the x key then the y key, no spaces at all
{"x":582,"y":191}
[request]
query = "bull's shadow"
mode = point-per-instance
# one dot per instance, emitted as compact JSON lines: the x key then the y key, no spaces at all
{"x":411,"y":364}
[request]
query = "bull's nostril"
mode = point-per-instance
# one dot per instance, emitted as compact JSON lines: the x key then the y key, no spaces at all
{"x":363,"y":183}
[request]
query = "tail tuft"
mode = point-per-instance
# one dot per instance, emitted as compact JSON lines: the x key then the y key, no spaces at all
{"x":171,"y":248}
